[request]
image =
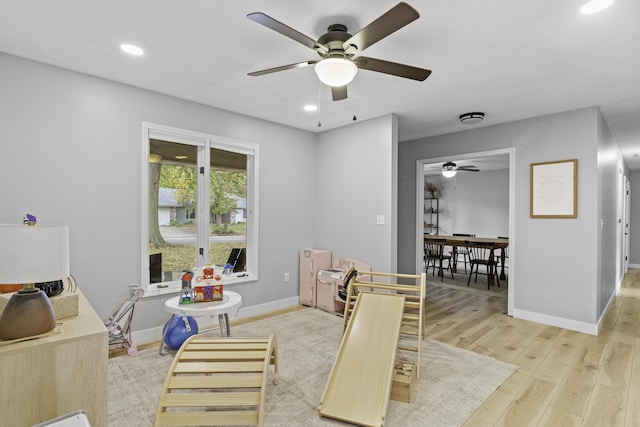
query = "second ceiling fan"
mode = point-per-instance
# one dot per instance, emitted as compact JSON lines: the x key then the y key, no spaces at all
{"x":338,"y":48}
{"x":450,"y":169}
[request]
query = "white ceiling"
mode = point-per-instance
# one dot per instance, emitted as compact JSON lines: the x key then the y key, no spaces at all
{"x":511,"y":59}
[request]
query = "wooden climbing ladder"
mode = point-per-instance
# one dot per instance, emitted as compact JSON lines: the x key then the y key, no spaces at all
{"x":414,"y":290}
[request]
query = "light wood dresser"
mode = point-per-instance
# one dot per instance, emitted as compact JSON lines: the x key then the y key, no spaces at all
{"x":47,"y":377}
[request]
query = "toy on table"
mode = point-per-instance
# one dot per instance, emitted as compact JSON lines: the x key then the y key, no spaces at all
{"x":29,"y":220}
{"x":208,"y":284}
{"x":228,"y":269}
{"x":187,"y":291}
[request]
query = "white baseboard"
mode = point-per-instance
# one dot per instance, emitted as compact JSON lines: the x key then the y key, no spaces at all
{"x":155,"y":334}
{"x":634,"y":265}
{"x":560,"y":322}
{"x":610,"y":302}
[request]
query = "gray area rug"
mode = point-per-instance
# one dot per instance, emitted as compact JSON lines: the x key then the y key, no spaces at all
{"x":453,"y":382}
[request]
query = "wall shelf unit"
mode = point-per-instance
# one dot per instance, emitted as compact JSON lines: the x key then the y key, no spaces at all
{"x":431,"y":214}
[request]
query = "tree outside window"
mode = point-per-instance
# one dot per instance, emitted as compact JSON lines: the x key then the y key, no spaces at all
{"x":174,"y":197}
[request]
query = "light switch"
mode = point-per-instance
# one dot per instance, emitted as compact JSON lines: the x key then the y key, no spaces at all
{"x":380,"y":220}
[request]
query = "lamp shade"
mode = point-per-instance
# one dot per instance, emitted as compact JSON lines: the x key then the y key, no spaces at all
{"x":31,"y":254}
{"x":336,"y":72}
{"x":449,"y":173}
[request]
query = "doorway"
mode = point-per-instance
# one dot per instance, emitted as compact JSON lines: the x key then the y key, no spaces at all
{"x":482,"y":160}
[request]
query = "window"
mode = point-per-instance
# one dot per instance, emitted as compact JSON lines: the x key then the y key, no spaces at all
{"x":199,"y":198}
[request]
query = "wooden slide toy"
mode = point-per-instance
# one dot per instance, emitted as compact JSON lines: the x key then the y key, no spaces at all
{"x":218,"y":381}
{"x":359,"y":385}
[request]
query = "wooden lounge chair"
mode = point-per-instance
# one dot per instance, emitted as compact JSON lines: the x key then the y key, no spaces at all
{"x":218,"y":381}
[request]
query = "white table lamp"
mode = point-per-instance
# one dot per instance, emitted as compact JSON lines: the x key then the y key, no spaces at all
{"x":29,"y":255}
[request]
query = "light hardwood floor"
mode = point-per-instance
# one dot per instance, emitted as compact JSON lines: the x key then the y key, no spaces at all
{"x":565,"y":378}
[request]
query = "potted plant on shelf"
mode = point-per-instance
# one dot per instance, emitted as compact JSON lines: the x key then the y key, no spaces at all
{"x":432,"y":189}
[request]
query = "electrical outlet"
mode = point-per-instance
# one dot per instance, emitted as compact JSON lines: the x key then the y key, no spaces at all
{"x":286,"y":277}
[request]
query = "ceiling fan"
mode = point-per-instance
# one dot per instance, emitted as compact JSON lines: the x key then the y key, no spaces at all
{"x":338,"y":48}
{"x":450,"y":169}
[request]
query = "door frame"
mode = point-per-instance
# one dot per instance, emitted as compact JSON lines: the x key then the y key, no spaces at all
{"x":512,"y":232}
{"x":626,"y":230}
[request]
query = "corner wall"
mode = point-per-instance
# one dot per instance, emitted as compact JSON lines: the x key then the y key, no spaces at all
{"x":610,"y":205}
{"x":634,"y":223}
{"x":556,"y":280}
{"x":356,"y":176}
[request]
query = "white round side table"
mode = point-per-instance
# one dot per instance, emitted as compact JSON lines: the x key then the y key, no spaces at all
{"x":230,"y":300}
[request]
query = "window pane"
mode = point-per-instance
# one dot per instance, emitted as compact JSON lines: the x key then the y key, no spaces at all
{"x":228,"y":208}
{"x":172,"y":209}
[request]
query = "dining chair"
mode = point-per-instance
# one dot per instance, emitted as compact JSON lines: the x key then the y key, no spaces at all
{"x":455,"y":253}
{"x":482,"y":254}
{"x":434,"y":253}
{"x":499,"y":256}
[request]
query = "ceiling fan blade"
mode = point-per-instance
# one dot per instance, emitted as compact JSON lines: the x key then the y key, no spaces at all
{"x":390,"y":22}
{"x":339,"y":92}
{"x":468,"y":168}
{"x":287,"y":31}
{"x":282,"y":68}
{"x":393,"y":68}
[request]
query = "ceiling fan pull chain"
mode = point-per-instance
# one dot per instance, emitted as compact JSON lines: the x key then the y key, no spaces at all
{"x":319,"y":105}
{"x":353,"y":89}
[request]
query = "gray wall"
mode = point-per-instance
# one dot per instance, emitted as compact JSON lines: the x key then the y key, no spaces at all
{"x":557,"y":279}
{"x":634,"y":222}
{"x":475,"y":203}
{"x":71,"y":154}
{"x":610,"y":205}
{"x":355,"y":183}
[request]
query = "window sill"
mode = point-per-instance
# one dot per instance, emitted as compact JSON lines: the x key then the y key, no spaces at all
{"x":156,"y":289}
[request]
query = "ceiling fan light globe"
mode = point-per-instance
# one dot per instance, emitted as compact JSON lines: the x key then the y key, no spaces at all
{"x":448,"y":173}
{"x":336,"y":72}
{"x":595,"y":6}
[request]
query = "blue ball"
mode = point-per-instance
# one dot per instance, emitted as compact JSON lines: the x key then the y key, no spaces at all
{"x":181,"y":328}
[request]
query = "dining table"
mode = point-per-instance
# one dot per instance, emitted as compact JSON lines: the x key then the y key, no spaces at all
{"x":459,"y":241}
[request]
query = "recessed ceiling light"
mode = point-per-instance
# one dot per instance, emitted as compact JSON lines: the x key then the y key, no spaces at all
{"x":310,"y":107}
{"x":595,"y":6}
{"x":132,"y":49}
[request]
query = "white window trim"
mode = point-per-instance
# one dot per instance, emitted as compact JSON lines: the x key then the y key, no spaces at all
{"x":171,"y":134}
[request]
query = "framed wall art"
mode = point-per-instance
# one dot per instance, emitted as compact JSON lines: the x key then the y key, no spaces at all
{"x":554,"y":189}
